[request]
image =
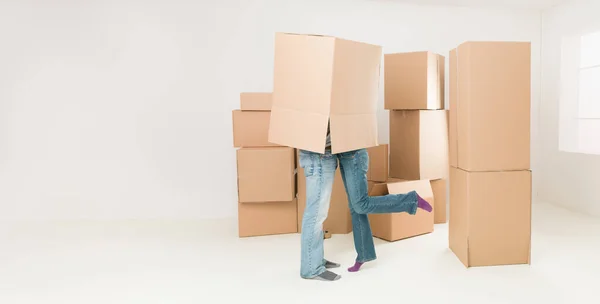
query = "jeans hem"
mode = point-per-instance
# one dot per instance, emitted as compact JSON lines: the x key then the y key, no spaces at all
{"x":367,"y":260}
{"x":413,"y":209}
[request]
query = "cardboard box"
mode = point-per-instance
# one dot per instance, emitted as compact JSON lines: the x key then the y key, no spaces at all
{"x":439,"y":187}
{"x":256,"y":101}
{"x":321,"y":79}
{"x":339,"y":220}
{"x":418,"y":144}
{"x":397,"y":226}
{"x":266,"y":175}
{"x":491,"y":96}
{"x":378,"y":163}
{"x":490,"y":217}
{"x":414,"y":81}
{"x":251,"y":129}
{"x":267,"y":218}
{"x":326,"y":234}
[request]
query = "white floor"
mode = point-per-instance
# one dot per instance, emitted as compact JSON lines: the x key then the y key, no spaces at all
{"x":191,"y":262}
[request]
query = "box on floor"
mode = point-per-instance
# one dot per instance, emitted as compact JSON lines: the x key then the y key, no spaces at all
{"x":257,"y":219}
{"x":490,"y":100}
{"x":321,"y":79}
{"x":266,"y":174}
{"x":418,"y":144}
{"x":490,"y":217}
{"x":397,"y":226}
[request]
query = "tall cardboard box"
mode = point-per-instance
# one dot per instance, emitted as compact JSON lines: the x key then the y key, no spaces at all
{"x":397,"y":226}
{"x":439,"y":187}
{"x":414,"y":81}
{"x":251,"y":129}
{"x":321,"y":79}
{"x":378,"y":163}
{"x":490,"y":217}
{"x":256,"y":101}
{"x":418,"y":144}
{"x":266,"y":175}
{"x":256,"y":219}
{"x":339,"y":220}
{"x":490,"y":100}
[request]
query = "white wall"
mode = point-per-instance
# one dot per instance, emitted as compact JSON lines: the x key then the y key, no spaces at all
{"x":121,"y":109}
{"x":568,"y":179}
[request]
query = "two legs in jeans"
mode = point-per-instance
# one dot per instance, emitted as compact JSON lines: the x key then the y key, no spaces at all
{"x":320,"y":171}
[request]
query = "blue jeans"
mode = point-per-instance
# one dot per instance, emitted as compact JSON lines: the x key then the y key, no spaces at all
{"x":319,"y":170}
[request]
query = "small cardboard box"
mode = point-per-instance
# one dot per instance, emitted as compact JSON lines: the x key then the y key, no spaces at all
{"x":490,"y":101}
{"x":378,"y":163}
{"x":338,"y":219}
{"x":321,"y":79}
{"x":490,"y":217}
{"x":414,"y":81}
{"x":397,"y":226}
{"x":418,"y":144}
{"x":267,"y":218}
{"x":266,"y":175}
{"x":251,"y":129}
{"x":256,"y":101}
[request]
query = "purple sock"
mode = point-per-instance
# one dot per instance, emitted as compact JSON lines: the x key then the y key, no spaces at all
{"x":356,"y":267}
{"x":423,"y":204}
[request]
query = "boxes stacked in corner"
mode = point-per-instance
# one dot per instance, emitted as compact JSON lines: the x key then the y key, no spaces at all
{"x":414,"y":94}
{"x":490,"y":177}
{"x":266,"y":172}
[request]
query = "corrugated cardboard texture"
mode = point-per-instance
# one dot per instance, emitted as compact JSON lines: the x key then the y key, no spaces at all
{"x":418,"y":144}
{"x":414,"y":81}
{"x":397,"y":226}
{"x":319,"y":79}
{"x":490,"y":217}
{"x":493,"y":106}
{"x":266,"y":174}
{"x":251,"y":129}
{"x":256,"y":101}
{"x":339,"y":220}
{"x":439,"y":194}
{"x":267,"y":218}
{"x":378,"y":163}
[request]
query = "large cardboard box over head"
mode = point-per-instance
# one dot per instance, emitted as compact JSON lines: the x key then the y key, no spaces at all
{"x":251,"y":129}
{"x":490,"y":100}
{"x":267,"y":218}
{"x":414,"y":81}
{"x":418,"y":144}
{"x":339,"y":220}
{"x":397,"y":226}
{"x":256,"y":101}
{"x":321,"y":79}
{"x":490,"y":217}
{"x":266,"y":175}
{"x":378,"y":163}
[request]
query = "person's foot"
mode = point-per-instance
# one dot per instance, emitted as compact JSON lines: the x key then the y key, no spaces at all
{"x":356,"y":267}
{"x":423,"y":204}
{"x":329,"y":264}
{"x":327,"y":276}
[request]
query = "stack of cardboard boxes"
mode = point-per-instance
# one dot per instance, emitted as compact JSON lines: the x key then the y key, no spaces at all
{"x":266,"y":172}
{"x":414,"y":92}
{"x":490,"y":177}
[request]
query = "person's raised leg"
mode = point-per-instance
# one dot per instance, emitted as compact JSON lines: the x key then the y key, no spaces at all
{"x":361,"y":231}
{"x":319,"y":170}
{"x":355,"y":166}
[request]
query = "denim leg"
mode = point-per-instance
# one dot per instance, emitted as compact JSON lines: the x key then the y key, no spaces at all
{"x":354,"y":165}
{"x":361,"y":231}
{"x":319,"y":170}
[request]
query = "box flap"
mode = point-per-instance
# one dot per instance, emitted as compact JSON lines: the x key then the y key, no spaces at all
{"x":379,"y":190}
